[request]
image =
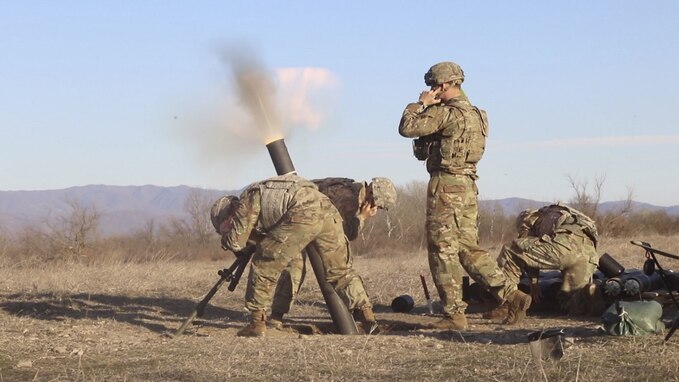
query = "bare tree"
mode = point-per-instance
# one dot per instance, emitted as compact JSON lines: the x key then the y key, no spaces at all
{"x":585,"y":199}
{"x":148,"y":234}
{"x":4,"y":243}
{"x":73,"y":232}
{"x":614,"y":223}
{"x":409,"y":214}
{"x":588,"y":201}
{"x":197,"y":205}
{"x":494,"y":226}
{"x":401,"y":227}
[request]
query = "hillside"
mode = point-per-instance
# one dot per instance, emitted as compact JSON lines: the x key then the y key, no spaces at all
{"x":125,"y":209}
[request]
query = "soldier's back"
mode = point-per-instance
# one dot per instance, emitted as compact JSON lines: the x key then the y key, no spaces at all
{"x":344,"y":194}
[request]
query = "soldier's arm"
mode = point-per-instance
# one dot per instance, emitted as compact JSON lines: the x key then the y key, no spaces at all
{"x":418,"y":121}
{"x":352,"y":227}
{"x":244,"y":221}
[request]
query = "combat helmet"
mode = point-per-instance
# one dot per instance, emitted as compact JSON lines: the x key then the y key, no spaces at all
{"x":526,"y":219}
{"x":384,"y":192}
{"x":443,"y":72}
{"x":221,"y":209}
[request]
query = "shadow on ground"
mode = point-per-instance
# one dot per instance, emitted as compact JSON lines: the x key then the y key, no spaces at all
{"x":155,"y":314}
{"x":163,"y":315}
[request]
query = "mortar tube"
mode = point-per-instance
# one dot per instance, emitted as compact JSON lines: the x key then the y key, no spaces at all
{"x":339,"y":312}
{"x":280,"y":157}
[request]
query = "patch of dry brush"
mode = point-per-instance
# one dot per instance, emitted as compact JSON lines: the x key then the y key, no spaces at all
{"x":104,"y":322}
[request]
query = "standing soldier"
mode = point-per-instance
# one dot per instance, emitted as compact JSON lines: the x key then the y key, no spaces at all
{"x":356,"y":202}
{"x":451,"y":137}
{"x":282,"y":216}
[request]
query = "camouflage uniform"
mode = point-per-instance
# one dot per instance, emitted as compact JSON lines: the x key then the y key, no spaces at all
{"x":554,"y":237}
{"x":347,"y":195}
{"x":451,"y":138}
{"x":284,"y":215}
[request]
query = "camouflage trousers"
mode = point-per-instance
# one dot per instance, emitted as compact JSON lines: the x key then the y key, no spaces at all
{"x":574,"y":255}
{"x":281,"y":249}
{"x":453,"y":241}
{"x":289,"y":285}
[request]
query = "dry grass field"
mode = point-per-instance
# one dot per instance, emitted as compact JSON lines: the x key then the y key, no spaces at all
{"x":106,"y":322}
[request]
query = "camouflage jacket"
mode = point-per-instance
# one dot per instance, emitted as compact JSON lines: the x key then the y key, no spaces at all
{"x":262,"y":205}
{"x":557,"y":218}
{"x":455,"y":134}
{"x":244,"y":220}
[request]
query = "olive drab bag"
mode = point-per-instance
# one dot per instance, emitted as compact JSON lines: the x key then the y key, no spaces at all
{"x":633,"y":318}
{"x":344,"y":193}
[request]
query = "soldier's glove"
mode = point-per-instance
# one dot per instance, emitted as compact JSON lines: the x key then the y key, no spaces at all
{"x":249,"y":248}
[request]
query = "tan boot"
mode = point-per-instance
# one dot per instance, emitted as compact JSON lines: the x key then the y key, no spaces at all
{"x":518,"y":303}
{"x":256,"y":327}
{"x":499,"y":312}
{"x":457,"y":321}
{"x":275,"y":320}
{"x":366,"y":316}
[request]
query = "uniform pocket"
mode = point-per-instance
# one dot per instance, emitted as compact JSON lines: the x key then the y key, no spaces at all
{"x":451,"y":195}
{"x":454,"y":188}
{"x":269,"y":247}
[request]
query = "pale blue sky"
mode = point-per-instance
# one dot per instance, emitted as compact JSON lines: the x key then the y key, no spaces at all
{"x":121,"y":92}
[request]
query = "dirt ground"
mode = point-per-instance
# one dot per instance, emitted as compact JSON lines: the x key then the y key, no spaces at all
{"x":109,"y":323}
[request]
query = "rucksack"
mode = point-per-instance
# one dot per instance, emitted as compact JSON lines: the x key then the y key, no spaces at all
{"x":344,"y":193}
{"x":558,"y":217}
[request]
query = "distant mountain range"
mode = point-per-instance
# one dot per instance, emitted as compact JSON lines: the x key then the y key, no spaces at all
{"x":516,"y":205}
{"x":126,"y":209}
{"x":123,"y":209}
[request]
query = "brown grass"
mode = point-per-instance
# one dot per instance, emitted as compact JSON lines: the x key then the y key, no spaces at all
{"x":104,"y":322}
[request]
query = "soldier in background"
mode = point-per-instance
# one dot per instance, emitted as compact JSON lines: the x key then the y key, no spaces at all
{"x":282,"y":216}
{"x":555,"y":237}
{"x":450,"y":136}
{"x":356,"y":202}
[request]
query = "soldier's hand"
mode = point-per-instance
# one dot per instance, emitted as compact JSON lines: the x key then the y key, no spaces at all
{"x":429,"y":97}
{"x":367,"y":210}
{"x":225,"y":226}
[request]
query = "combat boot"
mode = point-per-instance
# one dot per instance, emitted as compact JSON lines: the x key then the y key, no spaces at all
{"x":256,"y":327}
{"x":499,"y":312}
{"x":275,"y":320}
{"x":517,"y":303}
{"x":366,"y":316}
{"x":456,"y":321}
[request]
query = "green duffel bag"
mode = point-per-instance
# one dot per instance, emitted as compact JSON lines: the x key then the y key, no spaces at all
{"x":633,"y":318}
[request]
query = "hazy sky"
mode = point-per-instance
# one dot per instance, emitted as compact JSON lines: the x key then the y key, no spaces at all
{"x":144,"y":92}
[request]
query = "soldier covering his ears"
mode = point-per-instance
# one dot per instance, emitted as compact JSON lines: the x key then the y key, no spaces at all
{"x":450,"y":135}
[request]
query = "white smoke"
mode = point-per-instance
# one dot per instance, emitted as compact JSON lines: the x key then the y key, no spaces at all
{"x":300,"y":87}
{"x":258,"y":107}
